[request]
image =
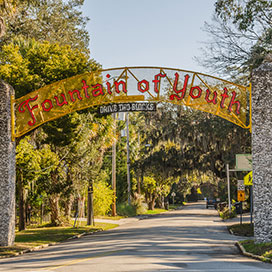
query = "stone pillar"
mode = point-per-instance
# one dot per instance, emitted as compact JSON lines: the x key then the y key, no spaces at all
{"x":7,"y":169}
{"x":262,"y":151}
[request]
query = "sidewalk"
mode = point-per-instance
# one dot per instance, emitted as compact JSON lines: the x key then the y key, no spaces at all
{"x":236,"y":220}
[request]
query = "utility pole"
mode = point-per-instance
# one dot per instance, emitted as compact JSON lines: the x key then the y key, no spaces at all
{"x":90,"y":215}
{"x":128,"y":160}
{"x":113,"y":178}
{"x":228,"y":179}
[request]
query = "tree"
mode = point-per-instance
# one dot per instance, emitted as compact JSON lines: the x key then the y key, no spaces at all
{"x":8,"y":8}
{"x":240,"y":37}
{"x":27,"y":171}
{"x":186,"y":143}
{"x":28,"y":64}
{"x":53,"y":21}
{"x":52,"y":181}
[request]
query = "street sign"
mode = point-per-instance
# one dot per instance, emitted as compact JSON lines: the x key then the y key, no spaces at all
{"x":240,"y":185}
{"x":127,"y":107}
{"x":240,"y":196}
{"x":173,"y":194}
{"x":248,"y":179}
{"x":243,"y":162}
{"x":240,"y":190}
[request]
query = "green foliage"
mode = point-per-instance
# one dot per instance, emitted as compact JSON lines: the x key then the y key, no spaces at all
{"x":53,"y":21}
{"x":47,"y":182}
{"x":150,"y":185}
{"x":225,"y":214}
{"x":28,"y":64}
{"x":246,"y":13}
{"x":103,"y":198}
{"x":138,"y":202}
{"x":240,"y":38}
{"x":125,"y":209}
{"x":27,"y":161}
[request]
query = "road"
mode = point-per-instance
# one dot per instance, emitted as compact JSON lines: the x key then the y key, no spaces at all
{"x":191,"y":239}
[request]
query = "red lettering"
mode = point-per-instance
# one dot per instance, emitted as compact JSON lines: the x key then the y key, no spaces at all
{"x":157,"y":81}
{"x":108,"y":85}
{"x":123,"y":86}
{"x":63,"y":102}
{"x":98,"y":91}
{"x":50,"y":105}
{"x":224,"y":96}
{"x":232,"y":102}
{"x":214,"y":100}
{"x":192,"y":92}
{"x":85,"y":88}
{"x":146,"y":88}
{"x":22,"y":107}
{"x":182,"y":91}
{"x":72,"y":95}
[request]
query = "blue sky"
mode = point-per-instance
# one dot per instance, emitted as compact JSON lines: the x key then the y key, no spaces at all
{"x":148,"y":32}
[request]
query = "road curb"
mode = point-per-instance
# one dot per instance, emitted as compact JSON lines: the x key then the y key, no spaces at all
{"x":257,"y":257}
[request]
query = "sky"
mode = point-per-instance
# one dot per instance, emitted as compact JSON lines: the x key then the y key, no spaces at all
{"x":165,"y":33}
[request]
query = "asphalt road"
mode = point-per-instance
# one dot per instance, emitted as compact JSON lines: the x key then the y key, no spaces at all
{"x":191,"y":239}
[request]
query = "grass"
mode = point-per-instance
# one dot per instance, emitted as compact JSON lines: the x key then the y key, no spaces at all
{"x":155,"y":211}
{"x":117,"y":217}
{"x":262,"y":249}
{"x":245,"y":229}
{"x":38,"y":236}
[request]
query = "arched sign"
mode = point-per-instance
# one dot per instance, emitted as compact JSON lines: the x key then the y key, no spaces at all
{"x":147,"y":84}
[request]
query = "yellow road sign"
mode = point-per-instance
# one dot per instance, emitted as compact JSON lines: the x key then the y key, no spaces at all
{"x":240,"y":195}
{"x":248,"y":179}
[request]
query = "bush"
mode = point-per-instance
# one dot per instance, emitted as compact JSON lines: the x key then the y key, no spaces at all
{"x":224,"y":214}
{"x":103,"y":198}
{"x":139,"y":204}
{"x":125,"y":209}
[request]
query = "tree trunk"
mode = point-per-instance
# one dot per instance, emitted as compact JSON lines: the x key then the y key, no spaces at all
{"x":68,"y":206}
{"x":22,"y":210}
{"x":161,"y":202}
{"x":138,"y":184}
{"x":151,"y":202}
{"x":54,"y":206}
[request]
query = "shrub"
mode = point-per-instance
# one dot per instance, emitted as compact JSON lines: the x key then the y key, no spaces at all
{"x":224,"y":214}
{"x":139,"y":204}
{"x":103,"y":198}
{"x":125,"y":209}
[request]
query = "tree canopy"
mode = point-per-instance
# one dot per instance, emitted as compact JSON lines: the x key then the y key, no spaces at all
{"x":240,"y":37}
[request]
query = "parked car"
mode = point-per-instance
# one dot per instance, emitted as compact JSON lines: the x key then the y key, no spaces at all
{"x":210,"y":202}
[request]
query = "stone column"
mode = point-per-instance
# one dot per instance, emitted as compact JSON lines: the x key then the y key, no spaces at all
{"x":7,"y":169}
{"x":262,"y":151}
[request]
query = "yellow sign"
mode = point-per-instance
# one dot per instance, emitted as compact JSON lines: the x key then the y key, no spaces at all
{"x":129,"y":84}
{"x":240,"y":195}
{"x":248,"y":179}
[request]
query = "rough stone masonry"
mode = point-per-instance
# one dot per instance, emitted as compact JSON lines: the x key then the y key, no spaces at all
{"x":262,"y":150}
{"x":7,"y":168}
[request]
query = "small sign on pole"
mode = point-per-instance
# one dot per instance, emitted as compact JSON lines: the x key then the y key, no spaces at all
{"x":240,"y":191}
{"x":248,"y":179}
{"x":241,"y":196}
